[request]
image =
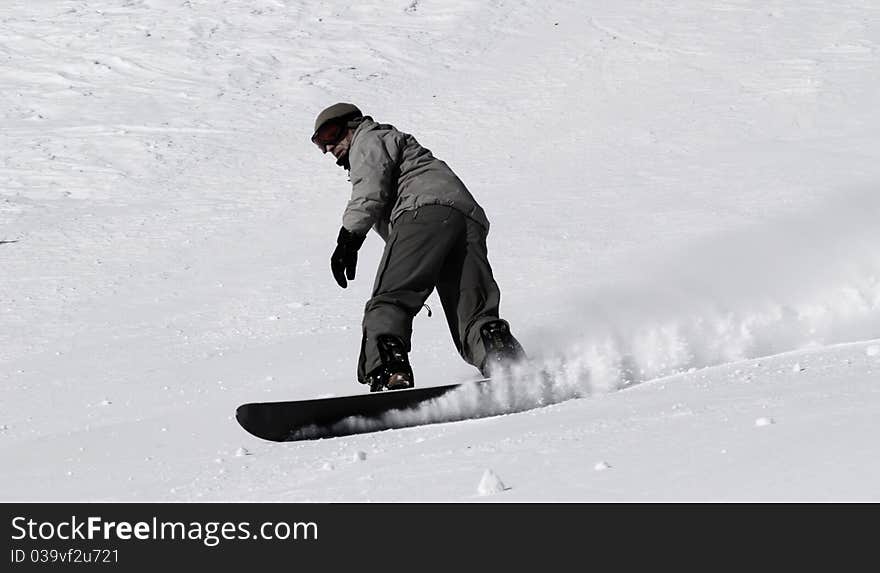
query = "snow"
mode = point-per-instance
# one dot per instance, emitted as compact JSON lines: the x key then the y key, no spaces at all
{"x":490,"y":484}
{"x":684,"y":204}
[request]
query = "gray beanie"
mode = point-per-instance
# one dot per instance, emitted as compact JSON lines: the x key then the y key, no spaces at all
{"x":336,"y":111}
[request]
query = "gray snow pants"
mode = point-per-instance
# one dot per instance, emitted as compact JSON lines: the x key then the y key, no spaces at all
{"x":439,"y":247}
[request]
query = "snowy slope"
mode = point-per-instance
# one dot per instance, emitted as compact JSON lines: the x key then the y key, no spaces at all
{"x":684,"y":202}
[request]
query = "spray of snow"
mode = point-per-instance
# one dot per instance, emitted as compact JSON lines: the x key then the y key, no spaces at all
{"x":806,"y":281}
{"x":522,"y":388}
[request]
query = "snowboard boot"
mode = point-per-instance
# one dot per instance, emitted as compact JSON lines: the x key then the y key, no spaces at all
{"x":502,"y":349}
{"x":394,"y":373}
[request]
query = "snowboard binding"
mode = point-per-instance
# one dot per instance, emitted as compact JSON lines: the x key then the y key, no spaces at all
{"x":395,"y":372}
{"x":502,"y":349}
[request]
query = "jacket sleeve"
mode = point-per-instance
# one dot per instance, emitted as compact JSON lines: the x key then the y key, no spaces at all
{"x":373,"y":181}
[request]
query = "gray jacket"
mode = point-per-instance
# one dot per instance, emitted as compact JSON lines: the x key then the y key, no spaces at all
{"x":391,"y":174}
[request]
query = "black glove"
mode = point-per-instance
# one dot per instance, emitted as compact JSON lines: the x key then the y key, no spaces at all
{"x":345,"y":257}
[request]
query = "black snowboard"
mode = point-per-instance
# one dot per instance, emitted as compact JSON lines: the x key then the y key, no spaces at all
{"x":318,"y":418}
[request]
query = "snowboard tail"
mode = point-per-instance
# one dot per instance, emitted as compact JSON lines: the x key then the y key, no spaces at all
{"x":320,"y":417}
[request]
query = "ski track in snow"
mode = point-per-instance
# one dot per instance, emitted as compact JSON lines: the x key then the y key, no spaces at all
{"x":674,"y":191}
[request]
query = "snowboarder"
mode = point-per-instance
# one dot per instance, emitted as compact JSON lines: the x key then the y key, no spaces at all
{"x":435,"y":237}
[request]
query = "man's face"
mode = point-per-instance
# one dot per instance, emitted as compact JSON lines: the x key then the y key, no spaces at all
{"x":339,"y":149}
{"x":335,"y":139}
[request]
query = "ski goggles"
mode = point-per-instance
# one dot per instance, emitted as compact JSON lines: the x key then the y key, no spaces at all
{"x":330,"y":133}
